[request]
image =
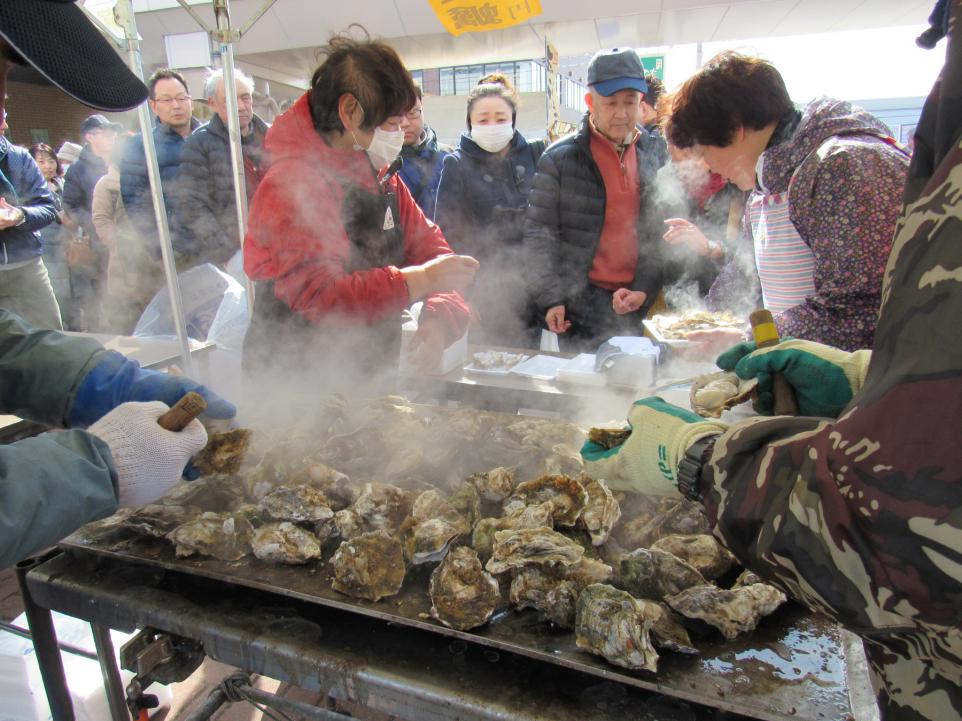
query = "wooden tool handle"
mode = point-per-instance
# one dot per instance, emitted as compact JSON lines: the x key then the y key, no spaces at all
{"x":766,"y":334}
{"x":183,"y":412}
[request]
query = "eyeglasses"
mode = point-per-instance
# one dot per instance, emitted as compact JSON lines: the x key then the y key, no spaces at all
{"x":179,"y":100}
{"x":413,"y":114}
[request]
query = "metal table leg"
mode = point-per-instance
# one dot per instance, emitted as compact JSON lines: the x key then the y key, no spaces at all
{"x":116,"y":699}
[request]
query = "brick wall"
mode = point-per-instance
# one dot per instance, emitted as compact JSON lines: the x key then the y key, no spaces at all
{"x":32,"y":106}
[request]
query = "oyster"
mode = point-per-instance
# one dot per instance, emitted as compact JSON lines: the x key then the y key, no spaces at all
{"x":482,"y":539}
{"x":494,"y":485}
{"x":297,"y":503}
{"x":554,"y":591}
{"x":730,"y":611}
{"x":158,"y":520}
{"x":224,"y":452}
{"x":348,"y":524}
{"x":335,"y":486}
{"x":666,"y":630}
{"x":514,"y":549}
{"x":213,"y":493}
{"x":431,"y":504}
{"x":382,"y":507}
{"x":716,"y":392}
{"x":565,"y":493}
{"x":428,"y":541}
{"x":654,"y":574}
{"x":609,"y":437}
{"x":601,"y":511}
{"x":463,"y":594}
{"x":467,"y":502}
{"x":614,"y":625}
{"x":669,"y":516}
{"x":563,"y":460}
{"x":369,"y":566}
{"x":747,"y":578}
{"x":544,"y":433}
{"x":285,"y":543}
{"x":225,"y":536}
{"x":703,"y":552}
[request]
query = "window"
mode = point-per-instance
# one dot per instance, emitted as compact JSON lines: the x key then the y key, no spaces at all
{"x":447,"y":81}
{"x":418,"y":77}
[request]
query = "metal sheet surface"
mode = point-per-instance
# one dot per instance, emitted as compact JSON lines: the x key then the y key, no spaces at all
{"x":791,"y":667}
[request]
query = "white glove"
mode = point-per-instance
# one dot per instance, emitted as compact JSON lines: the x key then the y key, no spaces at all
{"x":149,"y":459}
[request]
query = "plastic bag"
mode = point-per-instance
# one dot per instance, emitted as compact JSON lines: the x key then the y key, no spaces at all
{"x":202,"y":289}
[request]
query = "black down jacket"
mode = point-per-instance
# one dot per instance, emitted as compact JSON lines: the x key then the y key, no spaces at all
{"x":204,"y":215}
{"x":566,"y":211}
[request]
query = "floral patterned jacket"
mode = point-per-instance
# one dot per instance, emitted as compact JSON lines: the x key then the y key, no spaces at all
{"x":844,"y":175}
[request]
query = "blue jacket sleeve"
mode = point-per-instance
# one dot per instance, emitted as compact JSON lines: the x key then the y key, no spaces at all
{"x":36,"y":200}
{"x":50,"y":486}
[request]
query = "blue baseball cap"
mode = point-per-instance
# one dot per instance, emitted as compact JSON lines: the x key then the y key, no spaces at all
{"x":617,"y":69}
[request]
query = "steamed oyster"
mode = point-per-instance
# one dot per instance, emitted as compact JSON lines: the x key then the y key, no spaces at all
{"x":298,"y":503}
{"x":514,"y":549}
{"x":667,"y":517}
{"x":747,"y":578}
{"x":285,"y":543}
{"x":213,"y":493}
{"x":432,"y":504}
{"x":609,"y":437}
{"x":654,"y":574}
{"x":703,"y":552}
{"x":494,"y":485}
{"x":224,"y":452}
{"x":335,"y":486}
{"x":482,"y":538}
{"x":225,"y":536}
{"x":544,"y":433}
{"x":427,"y":541}
{"x":716,"y":392}
{"x":158,"y":520}
{"x":467,"y":502}
{"x":666,"y":630}
{"x":563,"y":460}
{"x":554,"y":591}
{"x":369,"y":566}
{"x":601,"y":511}
{"x":566,"y":495}
{"x":730,"y":611}
{"x":463,"y":594}
{"x":614,"y":625}
{"x":382,"y":507}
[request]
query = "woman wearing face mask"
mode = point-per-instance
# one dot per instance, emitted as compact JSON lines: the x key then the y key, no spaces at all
{"x":336,"y":246}
{"x":481,"y":205}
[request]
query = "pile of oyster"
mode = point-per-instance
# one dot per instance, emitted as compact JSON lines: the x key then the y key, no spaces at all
{"x":496,"y":509}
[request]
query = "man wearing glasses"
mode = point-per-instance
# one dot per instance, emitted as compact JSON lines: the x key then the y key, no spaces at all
{"x":423,"y":156}
{"x":170,"y":102}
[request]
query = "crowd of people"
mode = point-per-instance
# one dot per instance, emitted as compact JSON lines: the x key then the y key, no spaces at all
{"x":729,"y":198}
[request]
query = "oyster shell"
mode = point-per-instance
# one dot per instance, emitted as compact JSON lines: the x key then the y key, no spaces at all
{"x":716,"y":392}
{"x":213,"y":493}
{"x":514,"y":549}
{"x":666,"y":630}
{"x":157,"y":520}
{"x":432,"y":504}
{"x":467,"y":502}
{"x":544,"y":433}
{"x":428,"y":541}
{"x":382,"y":506}
{"x":654,"y":574}
{"x":482,"y":539}
{"x":297,"y":503}
{"x":747,"y":578}
{"x":601,"y":511}
{"x":615,"y":626}
{"x":703,"y":552}
{"x":285,"y":543}
{"x":463,"y":594}
{"x":335,"y":486}
{"x":667,"y":517}
{"x":565,"y":493}
{"x":224,"y":452}
{"x":609,"y":437}
{"x":564,"y":460}
{"x":369,"y":566}
{"x":349,"y":524}
{"x":226,"y":536}
{"x":494,"y":485}
{"x":732,"y":611}
{"x":554,"y":591}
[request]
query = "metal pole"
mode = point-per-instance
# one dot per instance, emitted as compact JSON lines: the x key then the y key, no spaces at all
{"x":69,"y":648}
{"x":45,"y":646}
{"x":116,"y":699}
{"x":124,"y":14}
{"x":225,"y":37}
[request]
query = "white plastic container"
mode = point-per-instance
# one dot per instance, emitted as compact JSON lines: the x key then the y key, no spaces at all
{"x":21,"y":688}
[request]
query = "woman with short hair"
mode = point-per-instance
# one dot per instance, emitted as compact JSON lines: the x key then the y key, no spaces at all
{"x":482,"y":199}
{"x":826,"y":186}
{"x":336,"y":245}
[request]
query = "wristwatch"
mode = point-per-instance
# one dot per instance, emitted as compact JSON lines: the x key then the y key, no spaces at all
{"x":691,"y":466}
{"x":23,"y":218}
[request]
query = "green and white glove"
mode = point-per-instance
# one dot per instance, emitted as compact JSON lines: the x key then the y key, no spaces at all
{"x":648,"y":461}
{"x":825,"y":379}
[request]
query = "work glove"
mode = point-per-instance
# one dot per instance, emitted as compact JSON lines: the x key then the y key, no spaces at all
{"x":147,"y":457}
{"x":116,"y":379}
{"x":648,"y":461}
{"x":824,"y":378}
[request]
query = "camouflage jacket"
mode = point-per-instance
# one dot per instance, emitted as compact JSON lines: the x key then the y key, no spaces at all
{"x":861,"y":517}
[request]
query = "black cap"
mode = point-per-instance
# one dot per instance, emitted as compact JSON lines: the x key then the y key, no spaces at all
{"x":617,"y":69}
{"x":98,"y":122}
{"x":57,"y":39}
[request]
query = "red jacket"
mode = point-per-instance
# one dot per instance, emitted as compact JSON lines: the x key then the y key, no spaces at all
{"x":295,"y":236}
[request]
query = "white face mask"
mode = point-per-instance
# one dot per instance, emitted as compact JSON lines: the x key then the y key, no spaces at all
{"x":492,"y":138}
{"x":384,"y":147}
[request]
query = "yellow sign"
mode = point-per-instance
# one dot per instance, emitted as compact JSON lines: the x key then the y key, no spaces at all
{"x":465,"y":16}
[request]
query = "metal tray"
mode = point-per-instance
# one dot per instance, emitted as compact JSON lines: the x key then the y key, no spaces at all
{"x":792,"y":667}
